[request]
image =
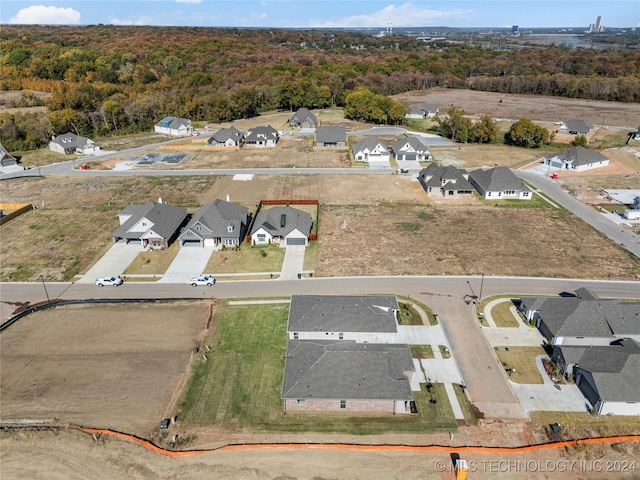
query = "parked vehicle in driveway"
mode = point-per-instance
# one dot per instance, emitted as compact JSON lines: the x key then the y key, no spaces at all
{"x":113,"y":281}
{"x":202,"y":280}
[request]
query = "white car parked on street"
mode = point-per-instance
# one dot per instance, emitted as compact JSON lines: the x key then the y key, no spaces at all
{"x":202,"y":280}
{"x":115,"y":281}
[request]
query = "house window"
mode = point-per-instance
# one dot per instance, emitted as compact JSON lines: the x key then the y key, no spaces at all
{"x":198,"y":228}
{"x":262,"y":237}
{"x":229,"y":228}
{"x":343,"y":404}
{"x":144,"y":224}
{"x":341,"y":336}
{"x":300,"y":401}
{"x":295,"y":335}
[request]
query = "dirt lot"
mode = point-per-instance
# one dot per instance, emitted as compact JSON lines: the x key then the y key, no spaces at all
{"x":115,"y":366}
{"x":70,"y":454}
{"x":535,"y":107}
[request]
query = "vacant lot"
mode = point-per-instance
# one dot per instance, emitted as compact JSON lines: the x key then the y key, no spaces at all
{"x":536,"y":107}
{"x":108,"y":365}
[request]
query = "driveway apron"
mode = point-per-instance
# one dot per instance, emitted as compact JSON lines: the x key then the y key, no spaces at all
{"x":293,"y":262}
{"x":189,"y":262}
{"x":112,"y":263}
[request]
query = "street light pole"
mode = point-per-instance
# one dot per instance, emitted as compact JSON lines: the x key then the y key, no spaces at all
{"x":45,"y":289}
{"x":481,"y":284}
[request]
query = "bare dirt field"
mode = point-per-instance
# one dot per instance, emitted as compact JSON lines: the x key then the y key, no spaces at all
{"x":110,"y":365}
{"x":70,"y":454}
{"x":535,"y":107}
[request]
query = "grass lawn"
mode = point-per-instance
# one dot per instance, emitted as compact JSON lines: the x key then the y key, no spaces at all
{"x":523,"y":359}
{"x":239,"y":385}
{"x":465,"y":405}
{"x":502,"y":315}
{"x":421,"y":351}
{"x":416,"y":304}
{"x":615,"y":425}
{"x":444,"y":351}
{"x":408,"y":315}
{"x":311,"y":256}
{"x":154,"y":261}
{"x":246,"y":260}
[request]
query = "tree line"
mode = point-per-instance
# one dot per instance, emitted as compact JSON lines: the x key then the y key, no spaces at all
{"x":108,"y":80}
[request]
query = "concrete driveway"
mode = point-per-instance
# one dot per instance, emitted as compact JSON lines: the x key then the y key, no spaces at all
{"x":189,"y":262}
{"x":112,"y":263}
{"x":293,"y":262}
{"x":548,"y":396}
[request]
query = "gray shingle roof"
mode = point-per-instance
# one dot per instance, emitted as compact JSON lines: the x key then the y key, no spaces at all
{"x":262,"y":133}
{"x":370,"y":143}
{"x":173,"y":122}
{"x":337,"y":313}
{"x":224,"y":134}
{"x":164,"y":219}
{"x":579,"y":156}
{"x":498,"y":179}
{"x":408,"y":144}
{"x":346,"y":370}
{"x":450,"y":177}
{"x":271,"y":219}
{"x":615,"y":369}
{"x":422,"y":108}
{"x":216,"y":217}
{"x":71,"y":140}
{"x":303,"y":114}
{"x":579,"y":126}
{"x":331,"y":134}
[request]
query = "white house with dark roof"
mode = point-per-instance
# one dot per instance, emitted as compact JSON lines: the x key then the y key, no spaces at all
{"x":216,"y":224}
{"x":342,"y":375}
{"x":72,"y":143}
{"x":499,"y":183}
{"x":153,"y":225}
{"x":448,"y":182}
{"x":227,"y":137}
{"x":304,"y":119}
{"x":331,"y":136}
{"x":577,"y":159}
{"x":422,"y":110}
{"x":282,"y":226}
{"x":363,"y":319}
{"x":174,"y":126}
{"x":370,"y":150}
{"x":575,"y":127}
{"x":410,"y":148}
{"x":608,"y":375}
{"x":262,"y":137}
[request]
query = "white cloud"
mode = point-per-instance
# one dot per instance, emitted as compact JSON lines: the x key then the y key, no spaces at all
{"x":39,"y":15}
{"x":138,"y":21}
{"x":405,"y":15}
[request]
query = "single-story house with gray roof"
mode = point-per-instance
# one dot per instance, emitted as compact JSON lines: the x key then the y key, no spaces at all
{"x":575,"y":127}
{"x":283,"y":226}
{"x":331,"y":136}
{"x":499,"y":183}
{"x":607,"y":375}
{"x":304,"y":119}
{"x":577,"y":159}
{"x":362,"y":318}
{"x":153,"y":225}
{"x":448,"y":182}
{"x":216,"y":224}
{"x":410,"y":148}
{"x":422,"y":110}
{"x":227,"y":137}
{"x":262,"y":136}
{"x":345,"y":376}
{"x":369,"y":150}
{"x":174,"y":126}
{"x":72,"y":143}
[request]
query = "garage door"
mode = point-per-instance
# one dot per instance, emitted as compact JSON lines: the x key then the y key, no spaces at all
{"x":191,"y":243}
{"x":410,"y":156}
{"x":296,"y":241}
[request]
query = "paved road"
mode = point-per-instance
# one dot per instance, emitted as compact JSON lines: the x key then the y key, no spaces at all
{"x":488,"y":387}
{"x":552,"y":188}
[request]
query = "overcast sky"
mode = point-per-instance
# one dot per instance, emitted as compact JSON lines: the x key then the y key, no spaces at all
{"x":317,"y":13}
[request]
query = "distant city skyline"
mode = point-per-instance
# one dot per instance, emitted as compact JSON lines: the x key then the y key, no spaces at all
{"x":326,"y":14}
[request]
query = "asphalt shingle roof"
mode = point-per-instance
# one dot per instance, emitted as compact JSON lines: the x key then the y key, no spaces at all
{"x":338,"y":313}
{"x":369,"y":143}
{"x":498,"y":179}
{"x":408,"y":143}
{"x":270,"y":220}
{"x":449,"y":177}
{"x":331,"y":134}
{"x":216,"y":216}
{"x":164,"y":219}
{"x":579,"y":156}
{"x":346,"y":370}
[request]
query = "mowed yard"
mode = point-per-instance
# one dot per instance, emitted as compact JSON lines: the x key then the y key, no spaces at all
{"x":104,"y":365}
{"x":238,"y":386}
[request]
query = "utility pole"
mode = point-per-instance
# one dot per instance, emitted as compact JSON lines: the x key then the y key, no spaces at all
{"x":45,"y":289}
{"x":481,"y":284}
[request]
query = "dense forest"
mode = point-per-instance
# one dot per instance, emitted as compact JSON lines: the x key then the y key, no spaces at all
{"x":110,"y":79}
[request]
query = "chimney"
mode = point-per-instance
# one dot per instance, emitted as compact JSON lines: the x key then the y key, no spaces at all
{"x":228,"y":199}
{"x":160,"y":200}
